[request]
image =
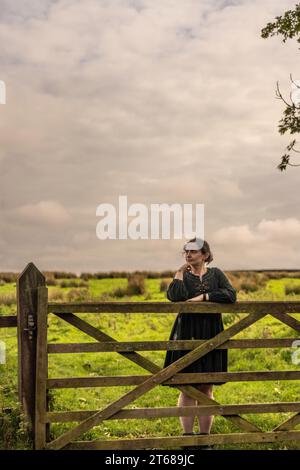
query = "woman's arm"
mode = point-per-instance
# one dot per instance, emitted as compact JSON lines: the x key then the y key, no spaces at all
{"x":198,"y":298}
{"x":177,"y":291}
{"x":225,"y":292}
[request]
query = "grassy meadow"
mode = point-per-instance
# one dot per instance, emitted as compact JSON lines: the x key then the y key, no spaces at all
{"x":126,"y":327}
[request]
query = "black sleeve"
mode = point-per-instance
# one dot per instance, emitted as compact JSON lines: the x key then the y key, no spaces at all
{"x":225,"y":293}
{"x":177,"y":291}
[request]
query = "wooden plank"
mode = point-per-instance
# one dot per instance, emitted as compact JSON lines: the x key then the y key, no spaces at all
{"x":288,"y":424}
{"x":27,"y":283}
{"x":151,"y":367}
{"x":7,"y":321}
{"x":176,"y":411}
{"x":288,"y":320}
{"x":174,"y":307}
{"x":113,"y":346}
{"x":155,"y":380}
{"x":185,"y":441}
{"x":41,"y":370}
{"x":186,"y":378}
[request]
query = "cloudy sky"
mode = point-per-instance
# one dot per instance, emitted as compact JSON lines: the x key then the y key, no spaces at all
{"x":169,"y":101}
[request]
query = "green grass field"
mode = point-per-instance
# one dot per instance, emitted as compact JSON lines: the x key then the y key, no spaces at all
{"x":134,"y":327}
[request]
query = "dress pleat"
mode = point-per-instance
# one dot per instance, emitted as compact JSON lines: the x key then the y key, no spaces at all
{"x":198,"y":326}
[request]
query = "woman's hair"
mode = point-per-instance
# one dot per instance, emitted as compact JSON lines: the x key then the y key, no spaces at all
{"x":205,"y":250}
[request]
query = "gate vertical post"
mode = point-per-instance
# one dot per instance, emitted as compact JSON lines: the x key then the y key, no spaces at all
{"x":41,"y":370}
{"x":27,"y":283}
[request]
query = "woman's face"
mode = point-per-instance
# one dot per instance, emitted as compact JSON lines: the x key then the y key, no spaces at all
{"x":194,"y":256}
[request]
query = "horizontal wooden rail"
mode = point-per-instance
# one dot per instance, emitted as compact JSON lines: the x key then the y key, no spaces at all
{"x":176,"y":411}
{"x":174,"y":307}
{"x":171,"y":442}
{"x":113,"y":346}
{"x":185,"y":378}
{"x":7,"y":321}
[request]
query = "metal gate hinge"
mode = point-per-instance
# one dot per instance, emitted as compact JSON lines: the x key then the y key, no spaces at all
{"x":31,"y":326}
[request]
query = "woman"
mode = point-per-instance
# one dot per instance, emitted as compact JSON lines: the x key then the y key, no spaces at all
{"x":194,"y":282}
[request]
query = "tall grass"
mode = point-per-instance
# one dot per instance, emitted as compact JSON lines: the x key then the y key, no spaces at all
{"x":13,"y":429}
{"x":164,"y":284}
{"x":8,"y":298}
{"x":248,"y":282}
{"x":136,"y":284}
{"x":292,"y":289}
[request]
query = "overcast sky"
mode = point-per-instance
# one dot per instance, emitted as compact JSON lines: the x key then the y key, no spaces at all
{"x":169,"y":101}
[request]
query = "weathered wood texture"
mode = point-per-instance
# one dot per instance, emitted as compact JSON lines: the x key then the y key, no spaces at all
{"x":27,"y":284}
{"x":185,"y":441}
{"x":174,"y":307}
{"x":41,"y":370}
{"x":209,"y":377}
{"x":148,"y":413}
{"x":8,"y":321}
{"x":110,"y":346}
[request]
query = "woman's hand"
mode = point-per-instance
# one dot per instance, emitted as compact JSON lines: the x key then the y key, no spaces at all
{"x":184,"y":267}
{"x":180,"y":272}
{"x":199,"y":298}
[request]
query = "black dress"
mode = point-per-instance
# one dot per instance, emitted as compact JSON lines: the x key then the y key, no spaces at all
{"x":202,"y":325}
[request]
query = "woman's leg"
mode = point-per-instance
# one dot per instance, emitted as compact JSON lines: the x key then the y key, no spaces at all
{"x":187,"y":422}
{"x":205,"y":422}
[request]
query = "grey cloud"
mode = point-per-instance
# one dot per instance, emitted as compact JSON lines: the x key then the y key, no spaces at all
{"x":162,"y":101}
{"x":16,"y":11}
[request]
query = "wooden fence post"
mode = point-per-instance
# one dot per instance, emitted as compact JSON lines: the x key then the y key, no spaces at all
{"x":27,"y":290}
{"x":41,"y":371}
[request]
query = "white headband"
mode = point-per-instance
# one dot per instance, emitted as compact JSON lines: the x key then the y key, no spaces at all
{"x":196,"y":245}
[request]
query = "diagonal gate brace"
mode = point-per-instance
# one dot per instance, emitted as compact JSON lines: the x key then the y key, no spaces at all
{"x":153,"y":381}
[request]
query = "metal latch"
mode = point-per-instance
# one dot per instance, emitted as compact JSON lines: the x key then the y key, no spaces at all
{"x":31,"y":326}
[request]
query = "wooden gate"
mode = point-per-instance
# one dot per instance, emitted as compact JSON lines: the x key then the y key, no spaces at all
{"x":70,"y":312}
